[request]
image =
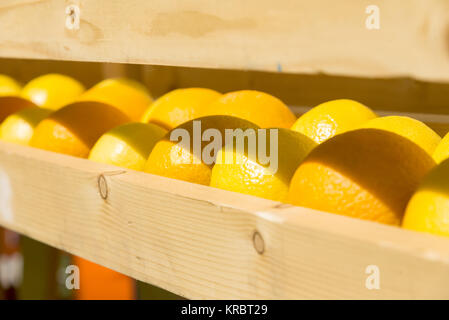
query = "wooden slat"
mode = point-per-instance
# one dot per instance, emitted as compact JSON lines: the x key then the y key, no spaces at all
{"x":302,"y":36}
{"x":197,"y":241}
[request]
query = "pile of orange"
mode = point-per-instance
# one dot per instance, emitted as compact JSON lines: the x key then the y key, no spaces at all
{"x":339,"y":157}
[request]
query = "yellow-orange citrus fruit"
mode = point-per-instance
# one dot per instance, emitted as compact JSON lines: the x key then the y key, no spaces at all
{"x":263,"y":109}
{"x":9,"y":86}
{"x":100,"y":283}
{"x":331,"y":118}
{"x":428,"y":209}
{"x":52,"y":91}
{"x":269,"y":177}
{"x":129,"y":96}
{"x":10,"y":105}
{"x":367,"y":173}
{"x":442,"y":150}
{"x":128,"y":145}
{"x":181,"y":152}
{"x":179,"y":106}
{"x":19,"y":127}
{"x":412,"y":129}
{"x":74,"y":129}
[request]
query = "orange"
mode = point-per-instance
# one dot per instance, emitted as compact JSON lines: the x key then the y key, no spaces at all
{"x":10,"y":105}
{"x":263,"y":109}
{"x":428,"y":209}
{"x":441,"y":152}
{"x":128,"y":145}
{"x":52,"y":91}
{"x":368,"y":174}
{"x":269,"y":178}
{"x":9,"y":86}
{"x":129,"y":96}
{"x":100,"y":283}
{"x":331,"y":118}
{"x":74,"y":129}
{"x":412,"y":129}
{"x":19,"y":127}
{"x":179,"y":106}
{"x":175,"y":155}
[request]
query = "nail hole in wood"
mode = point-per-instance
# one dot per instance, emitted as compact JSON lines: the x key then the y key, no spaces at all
{"x":103,"y":186}
{"x":258,"y":242}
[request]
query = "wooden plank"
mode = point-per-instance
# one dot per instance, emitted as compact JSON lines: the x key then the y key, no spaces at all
{"x":282,"y":36}
{"x":198,"y":242}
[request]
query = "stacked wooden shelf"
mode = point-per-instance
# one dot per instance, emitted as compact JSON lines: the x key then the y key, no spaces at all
{"x":290,"y":36}
{"x":197,"y":241}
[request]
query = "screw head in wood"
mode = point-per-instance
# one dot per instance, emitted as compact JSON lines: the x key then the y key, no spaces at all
{"x":102,"y":186}
{"x":258,"y":242}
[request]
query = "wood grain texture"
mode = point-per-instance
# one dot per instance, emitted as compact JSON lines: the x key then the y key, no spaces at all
{"x":287,"y":36}
{"x":197,"y":241}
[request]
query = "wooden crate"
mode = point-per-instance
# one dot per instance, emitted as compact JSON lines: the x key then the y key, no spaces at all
{"x":201,"y":242}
